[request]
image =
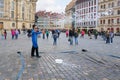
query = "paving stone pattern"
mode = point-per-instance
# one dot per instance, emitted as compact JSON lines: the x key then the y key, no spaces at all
{"x":100,"y":62}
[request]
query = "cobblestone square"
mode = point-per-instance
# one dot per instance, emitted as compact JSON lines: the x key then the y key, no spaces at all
{"x":100,"y":62}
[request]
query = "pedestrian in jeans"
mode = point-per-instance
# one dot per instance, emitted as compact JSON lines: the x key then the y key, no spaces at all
{"x":107,"y":37}
{"x":55,"y":36}
{"x":35,"y":33}
{"x":16,"y":34}
{"x":76,"y":37}
{"x":5,"y":34}
{"x":71,"y":34}
{"x":111,"y":36}
{"x":2,"y":34}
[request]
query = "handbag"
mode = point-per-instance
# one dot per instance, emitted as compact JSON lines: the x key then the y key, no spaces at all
{"x":69,"y":39}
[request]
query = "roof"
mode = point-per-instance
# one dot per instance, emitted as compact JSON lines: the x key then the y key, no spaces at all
{"x":70,"y":5}
{"x":81,"y":1}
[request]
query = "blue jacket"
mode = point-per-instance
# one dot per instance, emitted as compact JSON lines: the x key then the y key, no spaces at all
{"x":34,"y":38}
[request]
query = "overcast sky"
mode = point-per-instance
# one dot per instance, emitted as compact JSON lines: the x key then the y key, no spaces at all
{"x":52,"y":5}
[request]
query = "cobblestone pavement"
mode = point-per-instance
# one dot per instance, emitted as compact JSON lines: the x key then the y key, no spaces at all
{"x":100,"y":62}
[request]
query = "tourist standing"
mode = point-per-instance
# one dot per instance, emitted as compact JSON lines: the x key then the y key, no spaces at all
{"x":35,"y":33}
{"x":71,"y":33}
{"x":82,"y":33}
{"x":2,"y":34}
{"x":107,"y":37}
{"x":43,"y":32}
{"x":76,"y":37}
{"x":55,"y":36}
{"x":111,"y":36}
{"x":5,"y":34}
{"x":13,"y":33}
{"x":16,"y":34}
{"x":47,"y":34}
{"x":67,"y":33}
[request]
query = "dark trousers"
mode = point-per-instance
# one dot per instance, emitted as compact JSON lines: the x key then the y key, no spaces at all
{"x":33,"y":50}
{"x":107,"y":40}
{"x":55,"y":41}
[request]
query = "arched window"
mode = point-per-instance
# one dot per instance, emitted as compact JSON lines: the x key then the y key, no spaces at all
{"x":13,"y":24}
{"x":100,"y":21}
{"x":112,"y":20}
{"x":109,"y":21}
{"x":118,"y":21}
{"x":118,"y":29}
{"x":109,"y":5}
{"x":112,"y":4}
{"x":103,"y":21}
{"x":104,"y":6}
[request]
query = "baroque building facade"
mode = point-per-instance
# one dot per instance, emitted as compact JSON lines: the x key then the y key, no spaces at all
{"x":109,"y":15}
{"x":17,"y":14}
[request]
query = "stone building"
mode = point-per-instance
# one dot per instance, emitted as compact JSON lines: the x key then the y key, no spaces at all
{"x":109,"y":15}
{"x":86,"y":14}
{"x":49,"y":20}
{"x":69,"y":14}
{"x":18,"y":14}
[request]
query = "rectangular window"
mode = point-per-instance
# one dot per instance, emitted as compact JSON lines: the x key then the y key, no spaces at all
{"x":94,"y":2}
{"x":1,"y":3}
{"x":118,"y":12}
{"x":118,"y":3}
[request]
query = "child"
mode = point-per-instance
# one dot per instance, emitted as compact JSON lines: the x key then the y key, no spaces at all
{"x":35,"y":33}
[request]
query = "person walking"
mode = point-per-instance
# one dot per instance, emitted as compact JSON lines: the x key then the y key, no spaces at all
{"x":55,"y":36}
{"x":76,"y":37}
{"x":2,"y":34}
{"x":47,"y":34}
{"x":5,"y":34}
{"x":43,"y":32}
{"x":35,"y":33}
{"x":67,"y":33}
{"x":71,"y":33}
{"x":95,"y":32}
{"x":111,"y":36}
{"x":13,"y":33}
{"x":90,"y":34}
{"x":107,"y":37}
{"x":82,"y":33}
{"x":16,"y":34}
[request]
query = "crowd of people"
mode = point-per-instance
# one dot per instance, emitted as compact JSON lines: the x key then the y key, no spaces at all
{"x":14,"y":33}
{"x":73,"y":34}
